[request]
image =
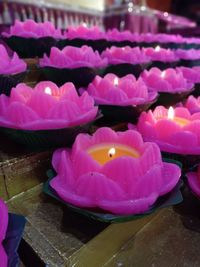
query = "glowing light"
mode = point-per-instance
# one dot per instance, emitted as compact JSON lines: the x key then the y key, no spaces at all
{"x":170,"y":114}
{"x":111,"y":152}
{"x":163,"y":74}
{"x":157,"y":49}
{"x":166,"y":14}
{"x":116,"y":81}
{"x":48,"y":91}
{"x":84,"y":24}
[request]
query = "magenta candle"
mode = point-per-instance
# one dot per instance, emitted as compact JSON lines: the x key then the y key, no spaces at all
{"x":193,"y":104}
{"x":45,"y":107}
{"x":168,"y":81}
{"x":190,"y":74}
{"x":112,"y":90}
{"x":191,"y":54}
{"x":174,"y":130}
{"x":160,"y":54}
{"x":32,"y":29}
{"x":84,"y":32}
{"x":10,"y":65}
{"x":73,"y":57}
{"x":120,"y":55}
{"x":3,"y":228}
{"x":161,"y":38}
{"x":120,"y":36}
{"x":114,"y":171}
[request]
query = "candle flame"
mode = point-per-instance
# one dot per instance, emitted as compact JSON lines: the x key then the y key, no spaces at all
{"x":48,"y":91}
{"x":157,"y":49}
{"x":116,"y":81}
{"x":84,"y":24}
{"x":170,"y":114}
{"x":163,"y":74}
{"x":111,"y":152}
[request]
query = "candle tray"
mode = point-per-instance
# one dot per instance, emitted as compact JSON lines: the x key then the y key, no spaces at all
{"x":80,"y":77}
{"x":14,"y":234}
{"x":30,"y":47}
{"x":163,"y":65}
{"x":188,"y":161}
{"x":99,"y":45}
{"x":167,"y":99}
{"x":114,"y":114}
{"x":8,"y":81}
{"x":172,"y":198}
{"x":189,"y":63}
{"x":125,"y":68}
{"x":53,"y":138}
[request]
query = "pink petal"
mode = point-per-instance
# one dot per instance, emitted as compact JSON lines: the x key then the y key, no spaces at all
{"x":184,"y":139}
{"x":104,"y":135}
{"x":131,"y":138}
{"x":19,"y":114}
{"x":4,"y":103}
{"x":21,"y":93}
{"x":47,"y":103}
{"x":166,"y":128}
{"x":41,"y":86}
{"x":97,"y":187}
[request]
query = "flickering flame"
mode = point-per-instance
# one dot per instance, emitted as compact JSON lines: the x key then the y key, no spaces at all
{"x":163,"y":74}
{"x":48,"y":91}
{"x":170,"y":114}
{"x":157,"y":49}
{"x":111,"y":152}
{"x":116,"y":81}
{"x":84,"y":24}
{"x":166,"y":14}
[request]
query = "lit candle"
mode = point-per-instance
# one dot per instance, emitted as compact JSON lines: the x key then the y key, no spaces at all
{"x":157,"y":49}
{"x":47,"y":91}
{"x":180,"y":121}
{"x":105,"y":153}
{"x":163,"y":74}
{"x":116,"y":81}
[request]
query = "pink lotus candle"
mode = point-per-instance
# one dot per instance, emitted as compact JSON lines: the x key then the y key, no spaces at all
{"x":174,"y":130}
{"x":160,"y":54}
{"x":73,"y":57}
{"x":193,"y":104}
{"x":125,"y":91}
{"x":190,"y":74}
{"x":194,"y":181}
{"x":84,"y":32}
{"x":161,"y":38}
{"x":3,"y":228}
{"x":10,"y":65}
{"x":168,"y":81}
{"x":114,"y":171}
{"x":118,"y":36}
{"x":191,"y":54}
{"x":120,"y":55}
{"x":45,"y":107}
{"x":32,"y":29}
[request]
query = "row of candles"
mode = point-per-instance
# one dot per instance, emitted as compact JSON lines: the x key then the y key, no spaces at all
{"x":120,"y":172}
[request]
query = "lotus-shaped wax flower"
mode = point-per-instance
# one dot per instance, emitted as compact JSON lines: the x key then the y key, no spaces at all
{"x":116,"y":35}
{"x":161,"y":38}
{"x":125,"y":91}
{"x":45,"y":107}
{"x":120,"y":55}
{"x":168,"y":80}
{"x":193,"y":104}
{"x":84,"y":32}
{"x":160,"y":54}
{"x":32,"y":29}
{"x":174,"y":130}
{"x":114,"y":171}
{"x":3,"y":228}
{"x":191,"y":54}
{"x":194,"y":181}
{"x":10,"y":65}
{"x":73,"y":57}
{"x":190,"y":74}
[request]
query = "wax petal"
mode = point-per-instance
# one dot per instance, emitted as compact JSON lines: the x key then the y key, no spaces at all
{"x":82,"y":142}
{"x":126,"y":171}
{"x":83,"y":163}
{"x":131,"y":138}
{"x":21,"y":93}
{"x":20,"y":114}
{"x":182,"y":112}
{"x":116,"y":96}
{"x":68,"y":91}
{"x":104,"y":135}
{"x":96,"y":186}
{"x":184,"y":139}
{"x":47,"y":101}
{"x":41,"y":86}
{"x":56,"y":158}
{"x":86,"y":102}
{"x":166,"y":128}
